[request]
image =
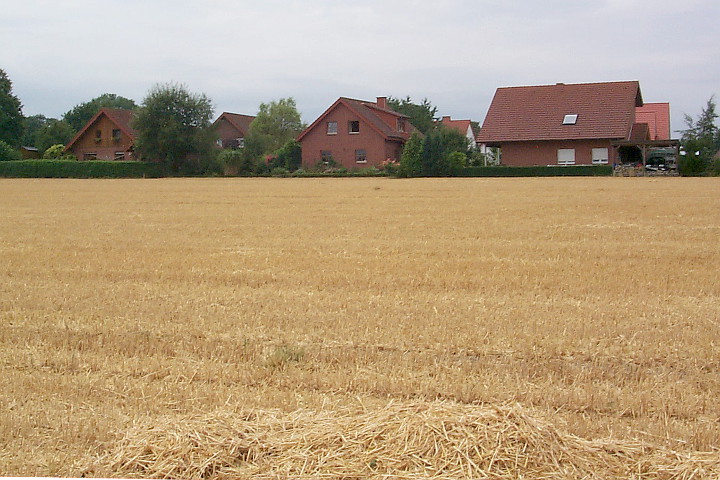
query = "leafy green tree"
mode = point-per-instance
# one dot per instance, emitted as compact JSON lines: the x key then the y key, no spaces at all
{"x":11,"y":117}
{"x":31,"y":126}
{"x":700,"y":141}
{"x":81,"y":114}
{"x":275,"y":124}
{"x":52,"y":133}
{"x":174,"y":126}
{"x":8,"y":152}
{"x":421,"y":115}
{"x":411,"y":157}
{"x":439,"y":147}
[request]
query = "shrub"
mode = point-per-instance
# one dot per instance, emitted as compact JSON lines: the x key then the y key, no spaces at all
{"x":8,"y":153}
{"x":57,"y":152}
{"x":279,"y":172}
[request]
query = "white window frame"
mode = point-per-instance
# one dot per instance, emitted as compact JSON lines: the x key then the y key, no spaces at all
{"x":119,"y":156}
{"x":570,"y":119}
{"x":566,"y":156}
{"x":359,"y":155}
{"x":332,"y":128}
{"x":350,"y":124}
{"x":600,"y":156}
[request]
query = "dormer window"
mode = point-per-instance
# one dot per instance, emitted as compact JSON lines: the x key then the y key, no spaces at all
{"x":570,"y":119}
{"x":401,"y":124}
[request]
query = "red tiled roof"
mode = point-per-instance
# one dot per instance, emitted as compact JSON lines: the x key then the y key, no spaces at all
{"x":237,"y":120}
{"x":459,"y":125}
{"x":604,"y":110}
{"x":120,"y":117}
{"x":367,"y":111}
{"x":657,"y":116}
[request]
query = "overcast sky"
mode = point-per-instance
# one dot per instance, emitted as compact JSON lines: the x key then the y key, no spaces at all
{"x":453,"y":52}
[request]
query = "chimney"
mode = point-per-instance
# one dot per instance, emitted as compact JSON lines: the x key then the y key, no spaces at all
{"x":445,"y":118}
{"x":382,"y":102}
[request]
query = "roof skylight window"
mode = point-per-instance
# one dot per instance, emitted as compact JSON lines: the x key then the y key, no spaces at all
{"x":570,"y":119}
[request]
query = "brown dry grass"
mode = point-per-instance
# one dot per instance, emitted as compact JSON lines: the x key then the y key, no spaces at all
{"x":592,"y":303}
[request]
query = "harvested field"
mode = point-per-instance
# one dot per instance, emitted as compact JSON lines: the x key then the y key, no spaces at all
{"x":350,"y":320}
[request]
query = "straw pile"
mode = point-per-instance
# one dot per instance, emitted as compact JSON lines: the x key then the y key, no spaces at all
{"x":435,"y":440}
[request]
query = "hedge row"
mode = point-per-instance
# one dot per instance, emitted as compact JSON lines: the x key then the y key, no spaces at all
{"x":564,"y":171}
{"x":75,"y":169}
{"x":99,"y":169}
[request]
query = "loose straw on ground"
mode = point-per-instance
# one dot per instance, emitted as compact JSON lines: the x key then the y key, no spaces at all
{"x":403,"y":440}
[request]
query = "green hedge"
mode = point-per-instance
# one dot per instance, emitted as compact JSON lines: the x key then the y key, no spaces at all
{"x":565,"y":171}
{"x":76,"y":169}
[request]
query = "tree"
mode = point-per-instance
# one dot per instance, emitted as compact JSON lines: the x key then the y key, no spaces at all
{"x":439,"y":148}
{"x":411,"y":157}
{"x":11,"y":117}
{"x":700,"y":142}
{"x":52,"y":133}
{"x":421,"y":116}
{"x":81,"y":114}
{"x":174,"y":126}
{"x":31,"y":126}
{"x":276,"y":123}
{"x":8,"y":152}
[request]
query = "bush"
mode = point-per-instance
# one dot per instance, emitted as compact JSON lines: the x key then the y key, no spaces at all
{"x":57,"y":152}
{"x":75,"y":169}
{"x":8,"y":153}
{"x":236,"y":162}
{"x":279,"y":172}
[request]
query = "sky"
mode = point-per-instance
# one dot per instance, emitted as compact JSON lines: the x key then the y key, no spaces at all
{"x":455,"y":53}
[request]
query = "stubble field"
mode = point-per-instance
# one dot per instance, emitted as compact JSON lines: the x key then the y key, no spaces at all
{"x":591,"y":305}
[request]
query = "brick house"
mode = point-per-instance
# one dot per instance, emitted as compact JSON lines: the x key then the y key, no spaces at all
{"x":231,"y":129}
{"x":355,"y":134}
{"x":574,"y":124}
{"x":107,"y":136}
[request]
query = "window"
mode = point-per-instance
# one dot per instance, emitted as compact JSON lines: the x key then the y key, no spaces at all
{"x":566,"y":156}
{"x":570,"y":119}
{"x":599,"y":156}
{"x":361,"y":156}
{"x":89,"y":156}
{"x":119,"y":155}
{"x":98,"y":136}
{"x":219,"y":142}
{"x":116,"y":135}
{"x":325,"y":156}
{"x":354,"y":126}
{"x":240,"y":142}
{"x":401,"y":124}
{"x":332,"y":128}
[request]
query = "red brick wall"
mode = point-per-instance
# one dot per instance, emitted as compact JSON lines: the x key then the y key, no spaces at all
{"x":106,"y":148}
{"x":524,"y":154}
{"x":343,"y":144}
